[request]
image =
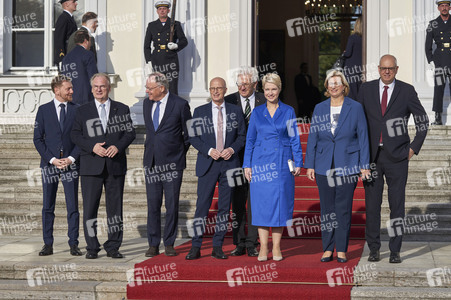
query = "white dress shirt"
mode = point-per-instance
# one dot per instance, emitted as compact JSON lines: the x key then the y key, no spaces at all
{"x":391,"y":86}
{"x":251,"y":102}
{"x":214,"y":113}
{"x":163,"y":101}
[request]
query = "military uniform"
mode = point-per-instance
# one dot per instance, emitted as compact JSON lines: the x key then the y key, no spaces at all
{"x":64,"y":27}
{"x":439,"y":32}
{"x":164,"y":60}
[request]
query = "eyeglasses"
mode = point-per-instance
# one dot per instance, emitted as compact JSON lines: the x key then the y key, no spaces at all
{"x":246,"y":85}
{"x":102,"y":87}
{"x":151,"y":88}
{"x":214,"y":89}
{"x":391,"y":69}
{"x":332,"y":84}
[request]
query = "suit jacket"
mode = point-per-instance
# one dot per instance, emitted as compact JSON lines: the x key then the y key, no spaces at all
{"x":48,"y":138}
{"x":71,"y":43}
{"x":440,"y":33}
{"x":235,"y":98}
{"x":64,"y":27}
{"x":159,"y":35}
{"x":87,"y":131}
{"x":204,"y":139}
{"x":170,"y":142}
{"x":353,"y":54}
{"x":80,"y":65}
{"x":347,"y":148}
{"x":393,"y":125}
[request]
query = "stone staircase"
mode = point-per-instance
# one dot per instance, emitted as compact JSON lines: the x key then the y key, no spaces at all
{"x":21,"y":204}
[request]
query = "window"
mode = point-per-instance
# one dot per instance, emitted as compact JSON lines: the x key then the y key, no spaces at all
{"x":31,"y":27}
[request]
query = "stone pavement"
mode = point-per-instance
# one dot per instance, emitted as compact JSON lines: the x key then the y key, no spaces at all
{"x":105,"y":278}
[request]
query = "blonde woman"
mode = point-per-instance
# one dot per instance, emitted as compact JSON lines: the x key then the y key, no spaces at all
{"x":270,"y":143}
{"x":337,"y":151}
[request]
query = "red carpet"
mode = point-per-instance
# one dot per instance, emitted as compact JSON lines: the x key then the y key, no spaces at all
{"x":299,"y":276}
{"x":306,"y":203}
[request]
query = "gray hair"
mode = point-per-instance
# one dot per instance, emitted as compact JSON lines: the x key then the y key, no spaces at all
{"x":160,"y":79}
{"x":248,"y":71}
{"x":101,"y":75}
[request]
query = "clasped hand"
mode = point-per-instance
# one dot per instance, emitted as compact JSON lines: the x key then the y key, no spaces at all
{"x":226,"y":154}
{"x":110,"y":152}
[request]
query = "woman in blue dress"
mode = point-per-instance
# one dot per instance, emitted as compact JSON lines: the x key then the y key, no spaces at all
{"x":271,"y":141}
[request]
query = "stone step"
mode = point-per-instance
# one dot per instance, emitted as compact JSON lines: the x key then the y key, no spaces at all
{"x":399,"y":293}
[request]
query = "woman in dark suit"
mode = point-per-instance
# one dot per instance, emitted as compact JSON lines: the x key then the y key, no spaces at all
{"x":353,"y":64}
{"x":270,"y":143}
{"x":337,"y":151}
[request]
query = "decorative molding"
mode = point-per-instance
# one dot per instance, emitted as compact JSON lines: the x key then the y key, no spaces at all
{"x":24,"y":101}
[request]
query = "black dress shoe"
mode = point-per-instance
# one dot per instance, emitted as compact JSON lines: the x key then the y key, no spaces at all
{"x":194,"y":253}
{"x":252,"y":252}
{"x":238,"y":251}
{"x":152,"y":251}
{"x":91,"y":255}
{"x":75,"y":251}
{"x":169,"y":251}
{"x":114,"y":254}
{"x":46,"y":250}
{"x":328,"y":258}
{"x":342,"y":260}
{"x":395,"y":258}
{"x":374,"y":255}
{"x":218,"y":253}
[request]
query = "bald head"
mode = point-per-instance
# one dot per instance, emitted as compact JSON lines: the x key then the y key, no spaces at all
{"x":390,"y":59}
{"x":217,"y":90}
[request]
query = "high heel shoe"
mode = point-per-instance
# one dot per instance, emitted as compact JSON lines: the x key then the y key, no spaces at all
{"x":327,"y":258}
{"x":262,"y":258}
{"x":342,"y":260}
{"x":277,"y":258}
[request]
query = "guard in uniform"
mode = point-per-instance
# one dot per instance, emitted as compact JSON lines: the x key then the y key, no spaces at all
{"x":439,"y":32}
{"x":64,"y":27}
{"x":164,"y":56}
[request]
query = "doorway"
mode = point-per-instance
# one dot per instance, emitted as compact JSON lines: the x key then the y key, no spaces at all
{"x":300,"y":32}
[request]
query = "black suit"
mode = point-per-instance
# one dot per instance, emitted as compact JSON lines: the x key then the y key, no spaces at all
{"x":307,"y":95}
{"x":164,"y":162}
{"x":64,"y":27}
{"x":439,"y":32}
{"x":99,"y":171}
{"x":49,"y":140}
{"x":71,"y":43}
{"x":390,"y":160}
{"x":241,"y":193}
{"x":164,"y":60}
{"x":210,"y":171}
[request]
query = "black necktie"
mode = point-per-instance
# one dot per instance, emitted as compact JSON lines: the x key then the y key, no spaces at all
{"x":62,"y":116}
{"x":247,"y":111}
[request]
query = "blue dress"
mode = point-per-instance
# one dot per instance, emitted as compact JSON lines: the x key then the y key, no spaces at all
{"x":270,"y":143}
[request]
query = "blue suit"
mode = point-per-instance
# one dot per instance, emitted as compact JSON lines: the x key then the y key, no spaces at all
{"x":337,"y":159}
{"x":80,"y":65}
{"x":49,"y":141}
{"x":164,"y":162}
{"x":212,"y":171}
{"x":270,"y":143}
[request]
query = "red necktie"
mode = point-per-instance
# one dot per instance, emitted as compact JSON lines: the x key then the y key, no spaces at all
{"x":384,"y":105}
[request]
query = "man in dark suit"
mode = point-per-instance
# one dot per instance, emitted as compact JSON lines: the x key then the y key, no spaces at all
{"x":247,"y":99}
{"x":218,"y":132}
{"x":89,"y":23}
{"x":64,"y":27}
{"x":164,"y":57}
{"x":58,"y":161}
{"x":167,"y":141}
{"x":439,"y":32}
{"x":103,"y":130}
{"x":80,"y":65}
{"x":388,"y":105}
